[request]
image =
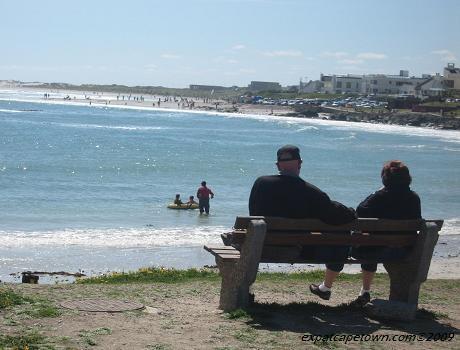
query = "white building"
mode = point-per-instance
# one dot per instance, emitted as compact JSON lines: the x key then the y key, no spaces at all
{"x":381,"y":84}
{"x":434,"y":86}
{"x":311,"y":87}
{"x":341,"y":84}
{"x":264,"y":86}
{"x":452,"y":76}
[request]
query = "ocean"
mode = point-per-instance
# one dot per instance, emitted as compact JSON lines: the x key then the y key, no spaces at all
{"x":85,"y":188}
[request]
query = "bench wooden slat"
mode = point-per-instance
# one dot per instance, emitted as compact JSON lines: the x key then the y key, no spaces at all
{"x":227,"y":257}
{"x":361,"y":224}
{"x":316,"y":238}
{"x":223,"y":252}
{"x":226,"y":247}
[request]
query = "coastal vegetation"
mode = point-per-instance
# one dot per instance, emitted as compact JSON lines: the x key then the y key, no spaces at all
{"x":169,"y":275}
{"x":153,"y":274}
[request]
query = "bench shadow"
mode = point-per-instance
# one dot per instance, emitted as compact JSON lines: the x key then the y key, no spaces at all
{"x":315,"y":318}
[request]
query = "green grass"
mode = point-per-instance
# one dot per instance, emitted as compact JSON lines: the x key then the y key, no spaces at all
{"x":312,"y":276}
{"x":246,"y":335}
{"x":89,"y":336}
{"x":238,"y":313}
{"x":167,"y":275}
{"x":9,"y":298}
{"x":28,"y":340}
{"x":41,"y":309}
{"x":153,"y":274}
{"x":31,"y":307}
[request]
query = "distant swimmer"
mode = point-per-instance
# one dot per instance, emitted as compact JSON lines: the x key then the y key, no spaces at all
{"x":203,"y":194}
{"x":177,"y":201}
{"x":191,"y":200}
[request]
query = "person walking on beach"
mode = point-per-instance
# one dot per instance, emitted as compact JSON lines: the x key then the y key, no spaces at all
{"x":203,"y":195}
{"x":395,"y":200}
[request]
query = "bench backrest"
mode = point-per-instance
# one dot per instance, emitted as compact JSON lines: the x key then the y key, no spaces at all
{"x":285,"y":237}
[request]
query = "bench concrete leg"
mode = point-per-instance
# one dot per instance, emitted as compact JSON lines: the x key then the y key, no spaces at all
{"x":228,"y":289}
{"x":237,"y":277}
{"x":402,"y":288}
{"x":406,"y":279}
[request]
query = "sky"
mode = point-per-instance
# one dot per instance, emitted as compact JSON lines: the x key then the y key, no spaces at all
{"x":175,"y":43}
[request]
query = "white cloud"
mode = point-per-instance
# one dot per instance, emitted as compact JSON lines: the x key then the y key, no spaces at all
{"x":151,"y":67}
{"x":338,"y":54}
{"x":170,"y":56}
{"x":445,"y":55}
{"x":223,"y":59}
{"x":371,"y":56}
{"x":238,"y":47}
{"x":351,"y":61}
{"x":247,"y":70}
{"x":283,"y":53}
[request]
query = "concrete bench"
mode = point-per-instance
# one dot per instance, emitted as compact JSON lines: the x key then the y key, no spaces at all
{"x":280,"y":240}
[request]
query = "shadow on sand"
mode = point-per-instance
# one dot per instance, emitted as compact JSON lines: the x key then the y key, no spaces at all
{"x":314,"y":318}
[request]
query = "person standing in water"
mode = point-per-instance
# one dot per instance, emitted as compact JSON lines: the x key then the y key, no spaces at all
{"x":203,"y":194}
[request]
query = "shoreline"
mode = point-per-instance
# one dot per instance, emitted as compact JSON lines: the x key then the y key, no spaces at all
{"x":220,"y":107}
{"x":445,"y":263}
{"x":261,"y":112}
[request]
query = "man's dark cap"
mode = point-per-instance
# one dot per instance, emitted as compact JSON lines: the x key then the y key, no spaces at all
{"x":288,"y":152}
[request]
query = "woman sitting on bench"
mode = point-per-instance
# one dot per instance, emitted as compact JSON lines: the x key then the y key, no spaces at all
{"x":395,"y":200}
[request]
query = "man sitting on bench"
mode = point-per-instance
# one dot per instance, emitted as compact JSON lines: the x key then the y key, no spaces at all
{"x":394,"y":201}
{"x":287,"y":195}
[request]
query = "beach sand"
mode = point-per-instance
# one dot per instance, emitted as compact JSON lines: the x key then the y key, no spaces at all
{"x":151,"y":102}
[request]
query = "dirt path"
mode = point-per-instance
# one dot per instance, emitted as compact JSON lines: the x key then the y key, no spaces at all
{"x":185,"y":316}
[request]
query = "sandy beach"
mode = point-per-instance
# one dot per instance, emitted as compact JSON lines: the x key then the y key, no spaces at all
{"x":151,"y":102}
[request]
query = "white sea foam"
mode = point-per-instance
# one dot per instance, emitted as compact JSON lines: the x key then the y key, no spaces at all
{"x":111,"y":127}
{"x":306,"y":128}
{"x":91,"y":126}
{"x":10,"y":111}
{"x":451,"y":227}
{"x":146,"y":237}
{"x":450,"y":149}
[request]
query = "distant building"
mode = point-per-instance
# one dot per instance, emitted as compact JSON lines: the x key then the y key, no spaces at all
{"x":452,"y":77}
{"x":341,"y":84}
{"x":264,"y":86}
{"x":433,"y":86}
{"x":291,"y":88}
{"x":311,"y":87}
{"x":382,"y":84}
{"x":207,"y":87}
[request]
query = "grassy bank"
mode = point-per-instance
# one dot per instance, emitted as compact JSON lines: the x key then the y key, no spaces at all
{"x":167,"y":275}
{"x":181,"y":313}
